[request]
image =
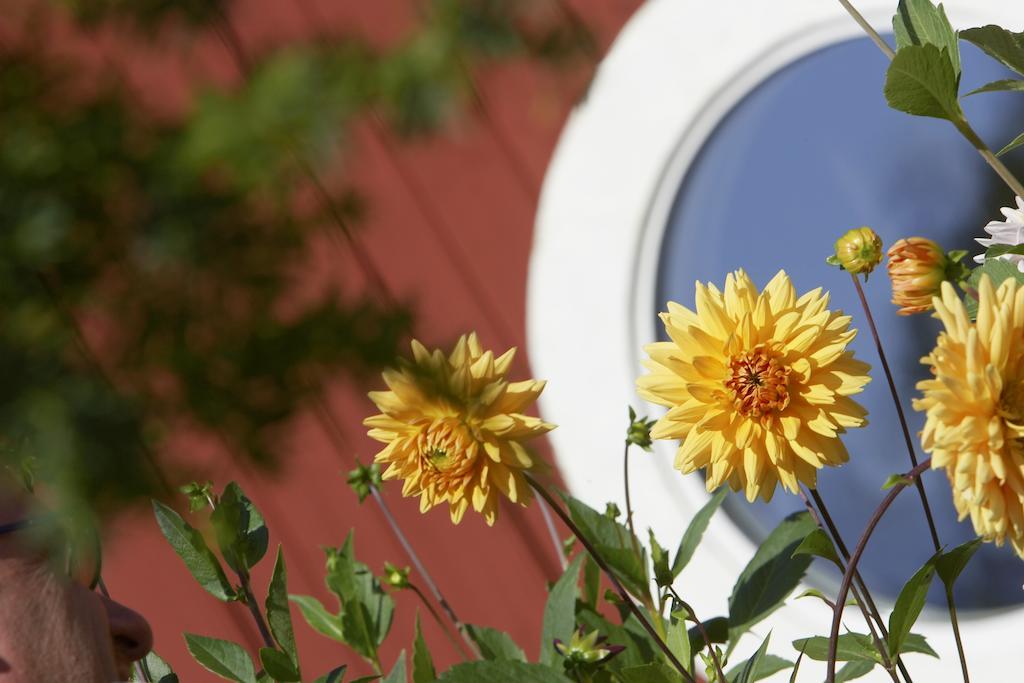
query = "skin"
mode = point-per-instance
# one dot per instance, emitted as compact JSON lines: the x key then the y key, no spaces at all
{"x":53,"y":629}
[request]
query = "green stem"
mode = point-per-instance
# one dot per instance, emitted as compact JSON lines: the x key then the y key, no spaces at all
{"x":991,"y":159}
{"x":956,"y":633}
{"x":851,"y":565}
{"x":703,"y":633}
{"x":629,"y":504}
{"x":437,"y":619}
{"x":254,"y":609}
{"x":868,"y":29}
{"x":627,"y":599}
{"x":908,"y":440}
{"x":965,"y":129}
{"x":867,"y":606}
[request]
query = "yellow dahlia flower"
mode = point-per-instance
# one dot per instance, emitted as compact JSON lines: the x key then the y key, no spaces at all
{"x":757,"y":385}
{"x":975,"y":408}
{"x":453,"y":426}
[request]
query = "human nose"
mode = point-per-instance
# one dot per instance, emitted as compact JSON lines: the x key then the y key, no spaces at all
{"x":129,"y":631}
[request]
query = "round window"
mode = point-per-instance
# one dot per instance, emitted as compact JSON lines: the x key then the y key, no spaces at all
{"x":809,"y":153}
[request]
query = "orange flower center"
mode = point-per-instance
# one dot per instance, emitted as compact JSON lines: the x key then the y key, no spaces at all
{"x":445,"y":444}
{"x":758,"y":382}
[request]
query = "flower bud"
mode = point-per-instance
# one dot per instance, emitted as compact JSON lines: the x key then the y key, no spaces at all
{"x":395,"y":577}
{"x":639,"y":432}
{"x":917,"y":268}
{"x":858,"y":251}
{"x":586,"y":648}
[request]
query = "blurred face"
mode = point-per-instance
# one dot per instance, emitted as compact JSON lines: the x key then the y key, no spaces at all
{"x":55,"y":629}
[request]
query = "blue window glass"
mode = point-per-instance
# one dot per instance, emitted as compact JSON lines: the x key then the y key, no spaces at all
{"x":810,"y":153}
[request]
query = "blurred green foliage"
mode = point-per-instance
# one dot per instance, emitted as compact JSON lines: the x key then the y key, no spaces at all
{"x":178,"y":244}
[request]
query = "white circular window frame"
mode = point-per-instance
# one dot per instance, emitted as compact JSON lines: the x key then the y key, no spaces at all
{"x":676,"y":69}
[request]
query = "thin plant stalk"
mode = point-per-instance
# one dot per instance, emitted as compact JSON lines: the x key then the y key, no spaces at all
{"x":908,"y":440}
{"x":637,"y":612}
{"x":629,"y":504}
{"x":549,"y":524}
{"x":859,"y":589}
{"x":703,"y":632}
{"x":422,"y":571}
{"x":851,"y":567}
{"x":868,"y":29}
{"x":956,"y":632}
{"x":962,"y":125}
{"x":440,"y":622}
{"x":254,"y":609}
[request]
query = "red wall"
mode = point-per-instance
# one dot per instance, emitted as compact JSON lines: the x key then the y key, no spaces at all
{"x":449,"y":225}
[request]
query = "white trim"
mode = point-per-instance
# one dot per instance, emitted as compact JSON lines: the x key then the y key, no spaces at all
{"x":675,"y":70}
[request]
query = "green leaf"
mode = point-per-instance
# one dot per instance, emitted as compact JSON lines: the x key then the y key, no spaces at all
{"x":919,"y":22}
{"x":279,"y":617}
{"x":772,"y":574}
{"x":818,"y":544}
{"x":279,"y":665}
{"x":422,"y":663}
{"x":908,"y":606}
{"x":915,"y":642}
{"x":653,"y":672}
{"x":222,"y":657}
{"x":495,"y":644}
{"x":366,"y":609}
{"x":815,"y":593}
{"x":357,"y":624}
{"x":851,"y":647}
{"x":768,"y":665}
{"x":501,"y":672}
{"x":1002,"y":45}
{"x":695,"y":531}
{"x":1005,"y":85}
{"x":398,"y":672}
{"x":997,"y":250}
{"x":335,"y":675}
{"x":852,"y":670}
{"x":157,"y":669}
{"x":896,"y":480}
{"x":678,"y":639}
{"x":747,"y":673}
{"x":560,"y":612}
{"x":659,"y":558}
{"x":615,"y":543}
{"x":242,"y":536}
{"x":950,"y":565}
{"x":319,"y":619}
{"x":188,"y":543}
{"x":997,"y":271}
{"x":920,"y":81}
{"x":1012,"y":145}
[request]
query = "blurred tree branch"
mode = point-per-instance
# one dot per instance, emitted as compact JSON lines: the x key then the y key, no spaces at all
{"x":177,"y":245}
